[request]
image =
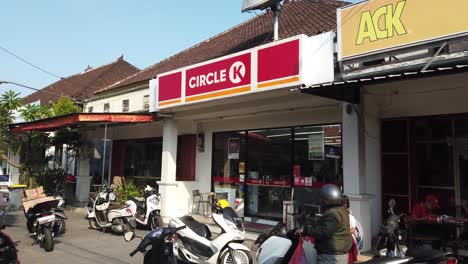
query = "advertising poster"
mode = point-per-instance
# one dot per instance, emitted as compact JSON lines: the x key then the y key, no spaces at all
{"x":316,"y":147}
{"x":233,"y":148}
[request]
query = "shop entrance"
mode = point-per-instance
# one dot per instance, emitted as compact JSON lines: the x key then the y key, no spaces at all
{"x":268,"y":166}
{"x":426,"y":155}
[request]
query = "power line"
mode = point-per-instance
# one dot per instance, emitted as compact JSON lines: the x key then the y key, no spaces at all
{"x":29,"y":87}
{"x":30,"y":64}
{"x":86,"y":87}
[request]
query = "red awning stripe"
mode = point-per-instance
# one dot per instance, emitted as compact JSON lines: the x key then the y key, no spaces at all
{"x":51,"y":124}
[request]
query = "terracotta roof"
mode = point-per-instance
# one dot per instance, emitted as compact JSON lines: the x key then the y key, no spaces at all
{"x":83,"y":85}
{"x":309,"y":17}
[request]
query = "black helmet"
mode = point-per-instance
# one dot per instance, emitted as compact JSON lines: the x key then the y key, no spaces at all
{"x":330,"y":195}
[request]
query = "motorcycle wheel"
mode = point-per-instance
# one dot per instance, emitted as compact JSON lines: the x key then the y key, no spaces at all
{"x":48,"y":242}
{"x":93,"y":224}
{"x":30,"y":226}
{"x":241,"y":257}
{"x":62,"y":227}
{"x":155,"y":221}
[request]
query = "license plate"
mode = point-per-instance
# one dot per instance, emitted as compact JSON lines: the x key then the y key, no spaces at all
{"x":46,"y":219}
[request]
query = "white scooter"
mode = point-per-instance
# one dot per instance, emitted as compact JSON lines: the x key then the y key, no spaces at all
{"x":194,"y":244}
{"x":105,"y":214}
{"x":147,"y":210}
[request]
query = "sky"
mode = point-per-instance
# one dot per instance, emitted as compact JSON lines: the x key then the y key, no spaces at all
{"x":63,"y":37}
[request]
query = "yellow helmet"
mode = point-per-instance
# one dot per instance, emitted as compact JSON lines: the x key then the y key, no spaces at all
{"x":222,"y":203}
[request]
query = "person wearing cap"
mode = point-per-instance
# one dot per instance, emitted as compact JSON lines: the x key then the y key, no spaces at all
{"x":331,"y":231}
{"x":424,"y":209}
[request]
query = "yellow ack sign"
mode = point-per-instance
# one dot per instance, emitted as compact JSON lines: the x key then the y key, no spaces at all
{"x":381,"y":25}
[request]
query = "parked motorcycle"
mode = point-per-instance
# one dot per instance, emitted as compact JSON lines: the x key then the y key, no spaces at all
{"x":147,"y":210}
{"x":390,"y":243}
{"x":104,"y":214}
{"x":157,"y":245}
{"x":44,"y":222}
{"x":194,"y":243}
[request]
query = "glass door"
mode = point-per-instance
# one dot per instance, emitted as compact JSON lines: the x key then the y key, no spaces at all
{"x":269,"y":169}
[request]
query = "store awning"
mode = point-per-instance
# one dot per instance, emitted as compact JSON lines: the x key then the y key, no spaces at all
{"x":81,"y":119}
{"x":349,"y":90}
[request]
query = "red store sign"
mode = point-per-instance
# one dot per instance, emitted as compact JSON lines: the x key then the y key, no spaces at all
{"x":276,"y":65}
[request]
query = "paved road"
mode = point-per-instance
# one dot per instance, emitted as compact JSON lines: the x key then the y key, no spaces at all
{"x":79,"y":244}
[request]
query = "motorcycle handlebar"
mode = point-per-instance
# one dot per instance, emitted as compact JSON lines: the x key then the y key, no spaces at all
{"x":180,"y":228}
{"x":133,"y":252}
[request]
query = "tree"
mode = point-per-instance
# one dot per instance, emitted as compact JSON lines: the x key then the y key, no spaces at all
{"x":64,"y":106}
{"x":33,"y":112}
{"x":9,"y":103}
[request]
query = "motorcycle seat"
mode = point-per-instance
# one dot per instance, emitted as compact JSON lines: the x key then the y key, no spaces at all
{"x":197,"y":227}
{"x":138,"y":201}
{"x":114,"y":206}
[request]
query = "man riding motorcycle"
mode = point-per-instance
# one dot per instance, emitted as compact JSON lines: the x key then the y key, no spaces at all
{"x":331,"y":230}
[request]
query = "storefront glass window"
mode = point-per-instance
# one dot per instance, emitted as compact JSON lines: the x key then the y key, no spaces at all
{"x":317,"y":161}
{"x":228,"y":170}
{"x":143,"y":161}
{"x":271,"y":162}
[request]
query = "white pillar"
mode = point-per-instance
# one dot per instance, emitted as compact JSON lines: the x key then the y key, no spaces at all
{"x":373,"y":169}
{"x":354,"y":177}
{"x":168,"y":184}
{"x":83,"y":180}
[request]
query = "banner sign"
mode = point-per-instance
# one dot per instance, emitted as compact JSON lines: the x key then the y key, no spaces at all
{"x":377,"y":26}
{"x":286,"y":63}
{"x":233,"y":148}
{"x":316,"y":146}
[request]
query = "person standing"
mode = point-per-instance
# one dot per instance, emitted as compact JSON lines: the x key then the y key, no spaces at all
{"x":331,"y":231}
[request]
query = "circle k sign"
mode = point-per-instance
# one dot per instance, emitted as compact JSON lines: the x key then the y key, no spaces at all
{"x":219,"y":75}
{"x":237,"y":72}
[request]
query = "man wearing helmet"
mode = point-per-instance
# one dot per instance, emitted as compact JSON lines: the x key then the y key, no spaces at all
{"x":331,"y":231}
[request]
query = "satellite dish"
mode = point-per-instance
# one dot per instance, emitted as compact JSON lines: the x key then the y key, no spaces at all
{"x":258,"y":4}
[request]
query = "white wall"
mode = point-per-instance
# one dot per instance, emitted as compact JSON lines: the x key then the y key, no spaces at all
{"x":432,"y":96}
{"x":115,"y":102}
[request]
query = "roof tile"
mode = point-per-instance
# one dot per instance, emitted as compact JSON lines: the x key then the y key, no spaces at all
{"x":309,"y":17}
{"x":83,"y":85}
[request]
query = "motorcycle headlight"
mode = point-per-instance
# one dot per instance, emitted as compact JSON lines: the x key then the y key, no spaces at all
{"x":112,"y":197}
{"x":155,"y":200}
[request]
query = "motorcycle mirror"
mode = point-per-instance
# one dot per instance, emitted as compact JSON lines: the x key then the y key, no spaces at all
{"x":391,"y":203}
{"x":129,"y":236}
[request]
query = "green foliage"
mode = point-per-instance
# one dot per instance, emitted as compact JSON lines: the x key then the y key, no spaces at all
{"x":33,"y":112}
{"x":10,"y":101}
{"x":64,"y":106}
{"x":125,"y":191}
{"x":52,"y":179}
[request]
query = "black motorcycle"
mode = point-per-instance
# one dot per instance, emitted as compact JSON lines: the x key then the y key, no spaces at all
{"x":44,"y":221}
{"x":156,"y":246}
{"x":390,"y":243}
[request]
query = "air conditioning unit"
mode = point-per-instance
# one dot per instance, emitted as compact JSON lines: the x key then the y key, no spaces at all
{"x":258,"y":4}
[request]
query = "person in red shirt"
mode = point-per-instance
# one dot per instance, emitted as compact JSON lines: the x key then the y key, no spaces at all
{"x":424,"y":210}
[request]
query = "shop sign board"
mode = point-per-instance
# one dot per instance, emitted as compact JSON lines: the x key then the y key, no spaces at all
{"x":377,"y":26}
{"x":233,"y":148}
{"x":287,"y":63}
{"x":316,"y":146}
